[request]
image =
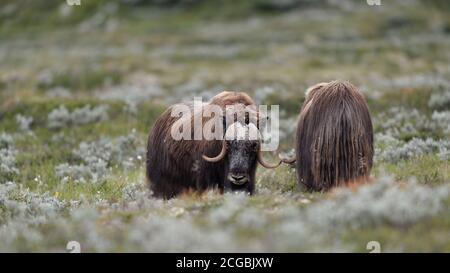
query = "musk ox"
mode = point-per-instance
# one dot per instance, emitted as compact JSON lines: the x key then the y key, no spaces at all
{"x":175,"y":164}
{"x":334,"y":141}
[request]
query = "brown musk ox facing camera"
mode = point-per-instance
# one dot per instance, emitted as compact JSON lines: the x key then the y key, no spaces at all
{"x":177,"y":165}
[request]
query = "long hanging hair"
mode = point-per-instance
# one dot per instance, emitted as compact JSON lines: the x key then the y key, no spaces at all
{"x":334,"y":137}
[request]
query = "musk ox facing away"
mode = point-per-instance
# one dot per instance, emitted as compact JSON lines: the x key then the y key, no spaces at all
{"x":229,"y":163}
{"x":334,"y":141}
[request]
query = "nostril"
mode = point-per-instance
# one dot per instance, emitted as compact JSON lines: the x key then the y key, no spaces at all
{"x":237,"y":177}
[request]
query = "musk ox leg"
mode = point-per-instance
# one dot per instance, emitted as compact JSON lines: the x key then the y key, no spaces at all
{"x":165,"y":189}
{"x":168,"y":182}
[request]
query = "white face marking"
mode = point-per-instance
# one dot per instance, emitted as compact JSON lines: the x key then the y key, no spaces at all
{"x":238,"y":131}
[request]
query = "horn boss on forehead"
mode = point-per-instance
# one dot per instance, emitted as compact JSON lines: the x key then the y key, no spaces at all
{"x":239,"y":131}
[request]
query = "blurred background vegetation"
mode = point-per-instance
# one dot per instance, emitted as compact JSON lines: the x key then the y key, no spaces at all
{"x":43,"y":15}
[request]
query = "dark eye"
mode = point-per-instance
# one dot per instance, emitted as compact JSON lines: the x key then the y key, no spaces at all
{"x":254,"y":145}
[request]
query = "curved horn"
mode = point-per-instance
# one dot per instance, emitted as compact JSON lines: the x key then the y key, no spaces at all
{"x":218,"y":157}
{"x":265,"y":164}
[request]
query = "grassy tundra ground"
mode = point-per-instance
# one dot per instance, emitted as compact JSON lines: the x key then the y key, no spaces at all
{"x":81,"y":86}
